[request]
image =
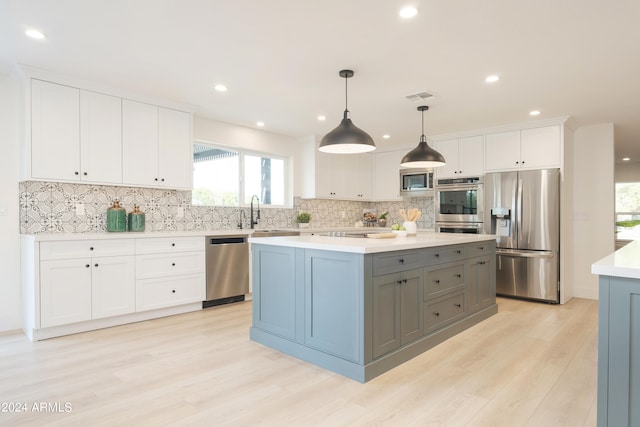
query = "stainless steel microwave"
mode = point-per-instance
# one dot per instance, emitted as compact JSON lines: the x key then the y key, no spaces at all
{"x":416,"y":182}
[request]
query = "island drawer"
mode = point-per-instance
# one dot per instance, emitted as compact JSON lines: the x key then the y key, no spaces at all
{"x":393,"y":262}
{"x":480,"y":248}
{"x":443,"y":310}
{"x":445,"y":254}
{"x":443,"y":279}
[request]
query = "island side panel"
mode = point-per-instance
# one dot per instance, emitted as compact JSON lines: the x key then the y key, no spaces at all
{"x":274,"y":290}
{"x":333,"y":289}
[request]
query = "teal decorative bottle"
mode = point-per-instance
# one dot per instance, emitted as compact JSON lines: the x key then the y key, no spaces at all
{"x":136,"y":219}
{"x":116,"y":217}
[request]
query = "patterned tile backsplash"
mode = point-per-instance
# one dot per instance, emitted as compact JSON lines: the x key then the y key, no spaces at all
{"x":48,"y":207}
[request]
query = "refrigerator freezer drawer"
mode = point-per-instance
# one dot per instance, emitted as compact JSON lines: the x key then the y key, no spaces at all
{"x":528,"y":274}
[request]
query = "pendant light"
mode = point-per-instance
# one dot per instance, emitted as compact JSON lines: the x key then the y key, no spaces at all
{"x":423,"y":156}
{"x":346,"y":138}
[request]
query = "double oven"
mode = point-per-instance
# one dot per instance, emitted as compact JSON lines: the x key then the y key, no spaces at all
{"x":459,"y":204}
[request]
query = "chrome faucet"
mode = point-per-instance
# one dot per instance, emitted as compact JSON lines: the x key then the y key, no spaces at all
{"x":242,"y":214}
{"x":254,"y":222}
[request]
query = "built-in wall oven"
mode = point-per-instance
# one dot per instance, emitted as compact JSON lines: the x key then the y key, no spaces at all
{"x":459,"y":205}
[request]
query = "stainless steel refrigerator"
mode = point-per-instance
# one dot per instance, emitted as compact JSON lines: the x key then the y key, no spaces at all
{"x":523,"y":209}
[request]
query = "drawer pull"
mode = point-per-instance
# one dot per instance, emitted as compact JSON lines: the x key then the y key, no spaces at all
{"x":436,"y":281}
{"x":399,"y":282}
{"x":173,"y":244}
{"x":459,"y":251}
{"x":481,"y":262}
{"x":404,"y":280}
{"x":173,"y":291}
{"x":91,"y":248}
{"x":76,"y":173}
{"x":87,"y":265}
{"x":458,"y":305}
{"x":173,"y":264}
{"x":458,"y":275}
{"x":435,"y":313}
{"x":437,"y":255}
{"x":401,"y":260}
{"x":96,"y":264}
{"x":481,"y":248}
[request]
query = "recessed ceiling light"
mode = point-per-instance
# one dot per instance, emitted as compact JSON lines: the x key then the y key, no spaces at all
{"x":626,"y":159}
{"x":220,"y":88}
{"x":35,"y":34}
{"x":534,"y":113}
{"x":386,"y":136}
{"x":408,"y":12}
{"x":260,"y":124}
{"x":322,"y":118}
{"x":492,"y":79}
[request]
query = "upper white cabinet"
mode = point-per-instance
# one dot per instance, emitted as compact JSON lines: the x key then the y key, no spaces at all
{"x":55,"y":131}
{"x":79,"y":135}
{"x":341,"y":176}
{"x":387,"y":175}
{"x":464,"y":157}
{"x":100,"y":138}
{"x":156,"y":146}
{"x":534,"y":148}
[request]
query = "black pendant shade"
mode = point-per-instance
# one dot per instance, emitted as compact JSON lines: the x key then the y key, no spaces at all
{"x":347,"y":138}
{"x":423,"y":156}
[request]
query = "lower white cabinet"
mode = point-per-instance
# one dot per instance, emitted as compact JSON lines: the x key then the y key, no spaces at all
{"x":77,"y":285}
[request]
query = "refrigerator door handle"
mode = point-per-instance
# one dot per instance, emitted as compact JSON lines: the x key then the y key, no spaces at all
{"x":525,"y":254}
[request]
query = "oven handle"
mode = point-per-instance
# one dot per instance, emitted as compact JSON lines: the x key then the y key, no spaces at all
{"x":458,"y":187}
{"x":460,"y":225}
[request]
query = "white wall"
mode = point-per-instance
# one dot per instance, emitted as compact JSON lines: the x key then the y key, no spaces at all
{"x":10,"y":125}
{"x":593,"y":203}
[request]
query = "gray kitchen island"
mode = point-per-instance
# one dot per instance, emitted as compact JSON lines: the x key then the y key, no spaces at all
{"x":362,"y":306}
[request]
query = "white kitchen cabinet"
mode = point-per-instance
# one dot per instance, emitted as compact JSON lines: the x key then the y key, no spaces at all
{"x":387,"y":175}
{"x":55,"y":131}
{"x":169,"y":272}
{"x":463,"y":156}
{"x":65,"y":291}
{"x":100,"y":138}
{"x":358,"y":177}
{"x":76,"y":287}
{"x":156,"y":146}
{"x":342,"y":176}
{"x":75,"y":134}
{"x":534,"y":148}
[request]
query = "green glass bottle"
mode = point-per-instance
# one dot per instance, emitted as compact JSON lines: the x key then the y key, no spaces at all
{"x":116,"y":217}
{"x":136,"y":219}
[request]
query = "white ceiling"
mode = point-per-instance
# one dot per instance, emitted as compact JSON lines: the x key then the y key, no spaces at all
{"x":280,"y":59}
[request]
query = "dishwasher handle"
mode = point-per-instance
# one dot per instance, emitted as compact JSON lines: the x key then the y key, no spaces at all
{"x":227,"y":240}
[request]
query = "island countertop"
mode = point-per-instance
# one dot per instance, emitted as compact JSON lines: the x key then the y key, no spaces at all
{"x":370,"y":245}
{"x":625,"y":262}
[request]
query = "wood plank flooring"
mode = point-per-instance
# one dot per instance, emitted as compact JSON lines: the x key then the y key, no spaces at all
{"x":531,"y":364}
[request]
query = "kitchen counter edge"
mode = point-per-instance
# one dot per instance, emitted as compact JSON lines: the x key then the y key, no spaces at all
{"x":625,"y":262}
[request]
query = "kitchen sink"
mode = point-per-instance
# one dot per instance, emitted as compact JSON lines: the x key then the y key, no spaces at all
{"x":274,"y":233}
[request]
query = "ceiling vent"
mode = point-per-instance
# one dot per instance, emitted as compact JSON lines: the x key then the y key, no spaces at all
{"x":420,"y":96}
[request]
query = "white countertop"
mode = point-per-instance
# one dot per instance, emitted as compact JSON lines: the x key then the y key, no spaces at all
{"x":424,"y":239}
{"x":625,"y":262}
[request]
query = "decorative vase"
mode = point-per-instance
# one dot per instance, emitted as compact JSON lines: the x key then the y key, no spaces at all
{"x":411,"y":227}
{"x":116,"y":217}
{"x":136,"y":219}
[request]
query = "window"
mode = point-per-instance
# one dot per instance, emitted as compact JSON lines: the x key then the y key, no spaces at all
{"x":226,"y":177}
{"x":628,"y":210}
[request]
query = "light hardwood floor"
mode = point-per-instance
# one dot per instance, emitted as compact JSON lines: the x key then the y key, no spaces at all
{"x":531,"y":364}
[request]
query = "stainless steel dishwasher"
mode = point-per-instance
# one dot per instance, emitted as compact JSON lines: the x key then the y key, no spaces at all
{"x":227,"y":269}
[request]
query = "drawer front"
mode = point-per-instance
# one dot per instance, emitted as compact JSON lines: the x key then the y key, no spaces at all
{"x":441,"y":280}
{"x":68,"y":249}
{"x":480,"y":248}
{"x":396,"y":261}
{"x":160,"y":265}
{"x":169,"y":291}
{"x":443,"y":310}
{"x":445,"y":254}
{"x":160,"y":245}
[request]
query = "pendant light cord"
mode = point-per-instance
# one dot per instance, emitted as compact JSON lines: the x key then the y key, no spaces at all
{"x":346,"y":95}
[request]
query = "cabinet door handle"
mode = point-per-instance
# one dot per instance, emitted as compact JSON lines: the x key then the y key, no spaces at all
{"x":173,"y":264}
{"x":162,"y":180}
{"x":404,"y":280}
{"x":155,"y":179}
{"x":173,"y":291}
{"x":76,"y":173}
{"x":399,"y":282}
{"x":95,"y":265}
{"x":88,"y":265}
{"x":91,"y":248}
{"x":458,"y":275}
{"x":173,"y":244}
{"x":84,"y":173}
